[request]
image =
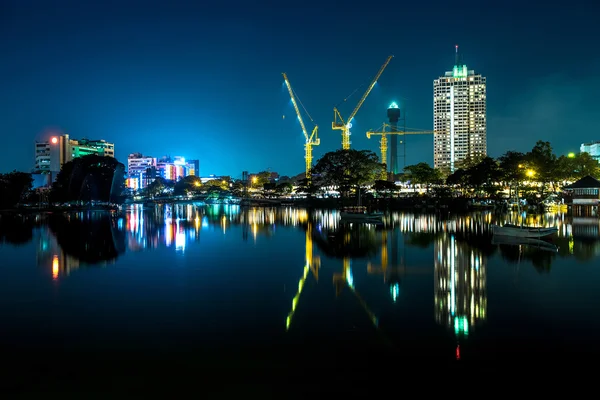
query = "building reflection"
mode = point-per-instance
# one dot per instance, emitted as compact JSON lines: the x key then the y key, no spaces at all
{"x":69,"y":241}
{"x":50,"y":254}
{"x":460,"y":296}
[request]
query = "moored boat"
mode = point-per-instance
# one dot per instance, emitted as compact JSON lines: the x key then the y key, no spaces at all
{"x":525,"y":241}
{"x":523,"y":231}
{"x":360,"y":214}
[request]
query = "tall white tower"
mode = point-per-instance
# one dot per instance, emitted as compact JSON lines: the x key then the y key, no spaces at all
{"x":459,"y":117}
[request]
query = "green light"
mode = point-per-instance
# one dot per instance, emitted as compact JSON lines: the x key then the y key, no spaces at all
{"x":393,"y":105}
{"x":571,"y":155}
{"x":460,"y":71}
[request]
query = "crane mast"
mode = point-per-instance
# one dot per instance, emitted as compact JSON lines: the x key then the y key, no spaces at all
{"x":339,"y":123}
{"x":309,"y":140}
{"x":383,"y":142}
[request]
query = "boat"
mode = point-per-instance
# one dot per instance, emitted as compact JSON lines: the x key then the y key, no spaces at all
{"x":360,"y":214}
{"x":522,"y":231}
{"x":520,"y":241}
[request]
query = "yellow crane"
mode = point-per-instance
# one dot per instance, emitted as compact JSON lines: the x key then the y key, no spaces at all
{"x":344,"y":126}
{"x":309,"y":140}
{"x":383,"y":142}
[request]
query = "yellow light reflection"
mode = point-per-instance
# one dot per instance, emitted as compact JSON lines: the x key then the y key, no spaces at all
{"x":55,"y":267}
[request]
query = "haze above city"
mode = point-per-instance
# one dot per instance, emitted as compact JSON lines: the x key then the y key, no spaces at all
{"x":203,"y":81}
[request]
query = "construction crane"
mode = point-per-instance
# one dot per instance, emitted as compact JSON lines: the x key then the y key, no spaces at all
{"x":383,"y":142}
{"x":309,"y":140}
{"x":344,"y":126}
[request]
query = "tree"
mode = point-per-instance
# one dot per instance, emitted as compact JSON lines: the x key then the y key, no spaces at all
{"x":423,"y":174}
{"x":308,"y":186}
{"x":384,"y":188}
{"x":217,"y":184}
{"x":186,"y":185}
{"x":483,"y":176}
{"x":542,"y":161}
{"x":88,"y":178}
{"x":347,"y":169}
{"x":14,"y":186}
{"x":511,"y":168}
{"x":159,"y":186}
{"x":583,"y":165}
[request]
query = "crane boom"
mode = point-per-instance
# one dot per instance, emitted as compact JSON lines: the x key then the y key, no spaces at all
{"x":339,"y":123}
{"x":364,"y":97}
{"x":383,"y":143}
{"x":310,"y":141}
{"x":289,"y":87}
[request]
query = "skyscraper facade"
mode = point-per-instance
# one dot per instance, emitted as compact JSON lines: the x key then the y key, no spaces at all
{"x":459,"y":117}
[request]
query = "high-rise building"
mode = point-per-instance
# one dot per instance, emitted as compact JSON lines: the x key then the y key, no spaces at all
{"x":193,"y":167}
{"x":141,"y":171}
{"x":459,"y":117}
{"x":459,"y":284}
{"x":592,"y":148}
{"x":52,"y":154}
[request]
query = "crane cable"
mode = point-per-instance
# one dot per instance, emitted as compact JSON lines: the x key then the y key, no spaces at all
{"x":302,"y":105}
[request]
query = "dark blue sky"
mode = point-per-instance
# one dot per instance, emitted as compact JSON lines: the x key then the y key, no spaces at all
{"x":203,"y":79}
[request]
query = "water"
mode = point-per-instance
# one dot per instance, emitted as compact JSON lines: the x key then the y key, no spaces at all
{"x":287,"y":285}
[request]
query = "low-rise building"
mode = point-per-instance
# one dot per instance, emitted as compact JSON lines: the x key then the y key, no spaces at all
{"x":592,"y":148}
{"x":585,"y":194}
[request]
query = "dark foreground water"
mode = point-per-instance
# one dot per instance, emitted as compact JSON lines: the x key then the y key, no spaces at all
{"x":224,"y":287}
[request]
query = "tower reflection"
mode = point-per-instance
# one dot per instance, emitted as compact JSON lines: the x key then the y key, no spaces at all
{"x":459,"y":284}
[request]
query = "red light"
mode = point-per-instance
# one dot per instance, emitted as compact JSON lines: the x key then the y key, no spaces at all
{"x":54,"y":140}
{"x":458,"y":352}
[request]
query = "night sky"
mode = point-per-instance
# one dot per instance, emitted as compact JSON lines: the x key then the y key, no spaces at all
{"x":203,"y":79}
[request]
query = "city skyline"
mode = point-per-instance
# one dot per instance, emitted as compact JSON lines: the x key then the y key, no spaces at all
{"x":224,"y":102}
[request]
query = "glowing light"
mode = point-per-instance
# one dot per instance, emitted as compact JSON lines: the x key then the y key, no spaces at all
{"x":54,"y":140}
{"x":55,"y":267}
{"x":393,"y":105}
{"x":571,"y":155}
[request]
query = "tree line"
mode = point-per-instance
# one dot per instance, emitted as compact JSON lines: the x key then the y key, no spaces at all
{"x":349,"y":170}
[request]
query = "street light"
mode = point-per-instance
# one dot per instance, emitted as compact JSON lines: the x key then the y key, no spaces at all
{"x":530,"y":173}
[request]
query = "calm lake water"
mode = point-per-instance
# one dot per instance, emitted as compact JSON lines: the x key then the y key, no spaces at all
{"x":289,"y":284}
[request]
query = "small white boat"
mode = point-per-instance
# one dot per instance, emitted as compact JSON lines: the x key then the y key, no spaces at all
{"x":360,"y":214}
{"x":523,"y":231}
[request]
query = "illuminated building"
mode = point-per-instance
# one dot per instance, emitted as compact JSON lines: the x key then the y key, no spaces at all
{"x":459,"y":117}
{"x":459,"y":284}
{"x":171,"y":169}
{"x":141,"y":171}
{"x":592,"y":148}
{"x":193,"y":167}
{"x":51,"y":155}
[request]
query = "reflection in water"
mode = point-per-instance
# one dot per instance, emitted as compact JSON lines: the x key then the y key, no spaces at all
{"x":459,"y":285}
{"x":458,"y":246}
{"x":70,"y":240}
{"x":312,"y":264}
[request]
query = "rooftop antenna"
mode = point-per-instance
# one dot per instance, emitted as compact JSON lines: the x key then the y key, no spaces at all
{"x":456,"y":56}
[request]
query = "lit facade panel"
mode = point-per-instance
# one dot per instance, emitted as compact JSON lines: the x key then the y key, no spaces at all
{"x":593,"y":149}
{"x":141,"y":169}
{"x":459,"y":117}
{"x":459,"y":284}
